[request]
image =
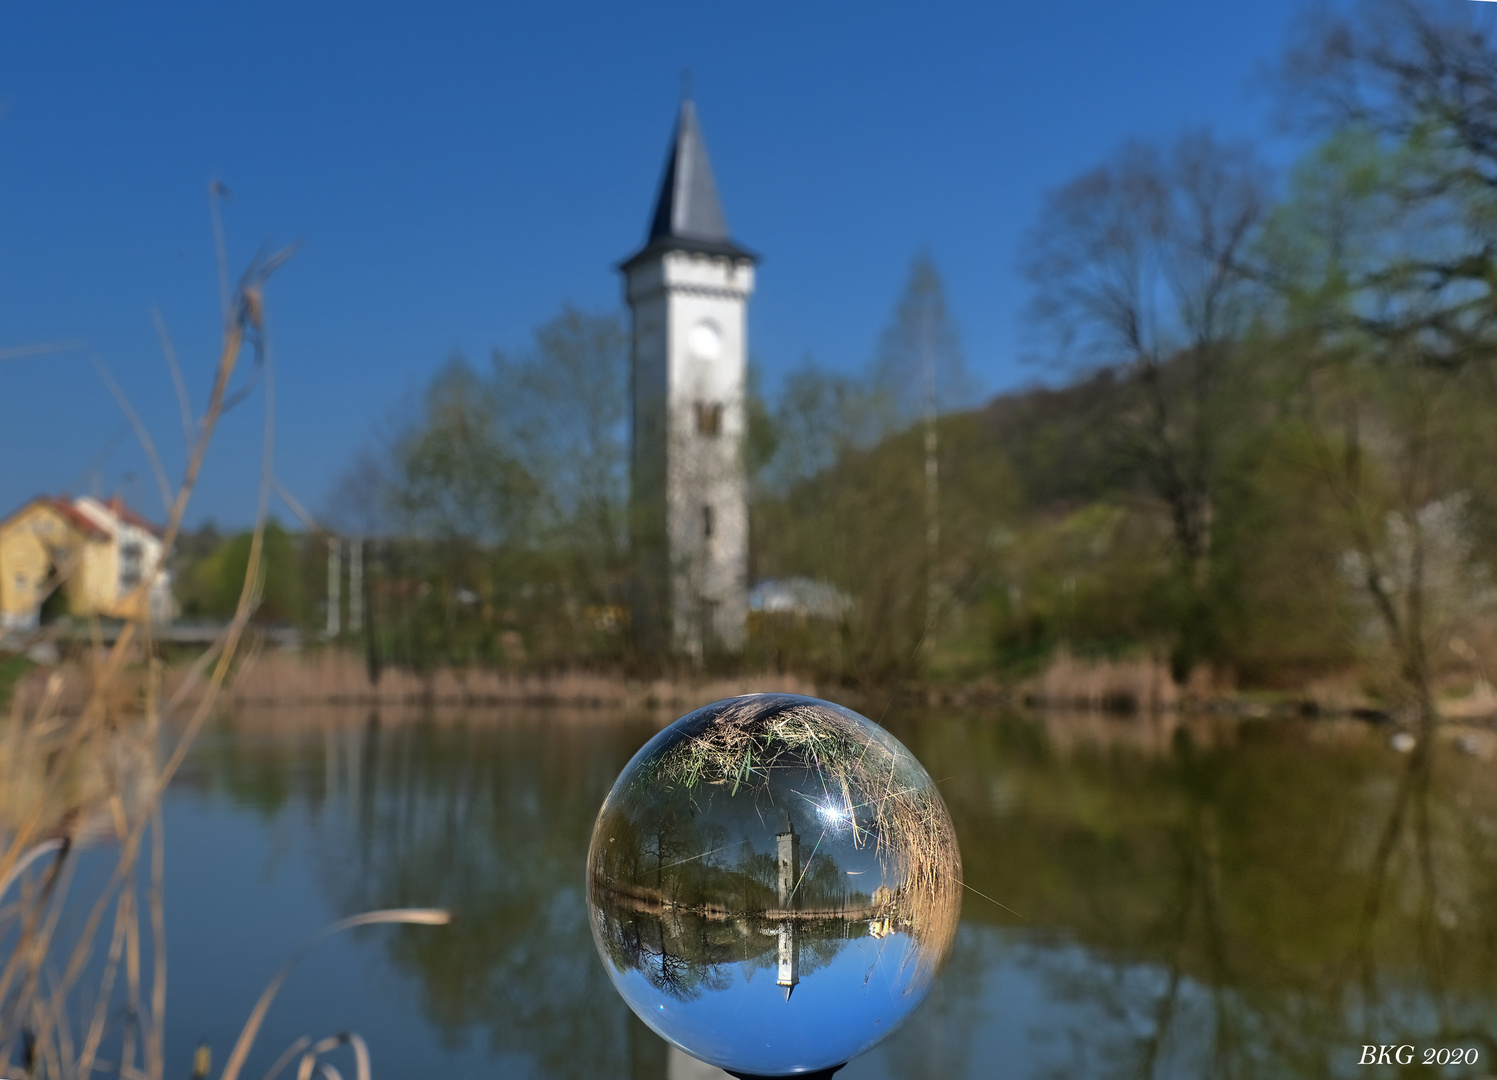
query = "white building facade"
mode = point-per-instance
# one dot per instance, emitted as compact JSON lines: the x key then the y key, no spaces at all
{"x":139,"y":555}
{"x":688,"y":291}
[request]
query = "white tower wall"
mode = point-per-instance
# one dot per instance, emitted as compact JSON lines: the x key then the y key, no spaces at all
{"x":690,"y":368}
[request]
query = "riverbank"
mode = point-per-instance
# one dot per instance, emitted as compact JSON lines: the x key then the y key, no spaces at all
{"x":1127,"y":686}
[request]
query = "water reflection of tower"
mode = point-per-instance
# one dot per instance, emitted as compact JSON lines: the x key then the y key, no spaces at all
{"x":789,"y":958}
{"x":789,"y":851}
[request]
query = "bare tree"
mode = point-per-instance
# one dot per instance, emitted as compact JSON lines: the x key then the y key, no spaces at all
{"x":1135,"y":265}
{"x":1417,"y":82}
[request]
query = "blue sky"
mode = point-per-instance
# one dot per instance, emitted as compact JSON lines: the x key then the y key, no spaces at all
{"x":454,"y":173}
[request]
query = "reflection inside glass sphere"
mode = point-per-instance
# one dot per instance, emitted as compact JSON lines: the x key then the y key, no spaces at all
{"x":780,"y":835}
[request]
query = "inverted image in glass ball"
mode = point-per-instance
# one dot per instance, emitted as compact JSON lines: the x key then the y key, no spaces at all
{"x":773,"y":881}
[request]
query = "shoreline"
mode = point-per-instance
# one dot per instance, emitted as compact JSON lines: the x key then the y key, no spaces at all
{"x":1118,"y":689}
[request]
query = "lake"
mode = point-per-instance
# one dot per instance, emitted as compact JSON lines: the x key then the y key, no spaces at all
{"x":1147,"y":896}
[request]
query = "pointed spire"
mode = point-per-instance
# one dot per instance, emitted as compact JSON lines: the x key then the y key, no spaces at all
{"x":688,"y":205}
{"x":688,"y":214}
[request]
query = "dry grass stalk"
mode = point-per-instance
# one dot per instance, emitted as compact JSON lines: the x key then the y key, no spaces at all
{"x":412,"y":916}
{"x":882,"y":788}
{"x":94,"y":710}
{"x":92,"y":768}
{"x":70,"y":770}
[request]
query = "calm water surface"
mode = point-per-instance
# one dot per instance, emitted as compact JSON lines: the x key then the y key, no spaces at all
{"x":1151,"y":899}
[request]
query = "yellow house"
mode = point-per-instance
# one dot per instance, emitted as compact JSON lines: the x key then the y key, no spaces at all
{"x":84,"y":556}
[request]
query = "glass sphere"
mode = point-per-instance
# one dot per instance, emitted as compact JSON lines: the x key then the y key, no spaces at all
{"x":773,"y":881}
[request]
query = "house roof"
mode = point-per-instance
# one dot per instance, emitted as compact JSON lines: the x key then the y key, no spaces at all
{"x":688,"y":214}
{"x":86,"y":524}
{"x":64,"y":509}
{"x":112,"y":514}
{"x":118,"y":508}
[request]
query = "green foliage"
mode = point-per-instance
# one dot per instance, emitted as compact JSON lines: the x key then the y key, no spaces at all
{"x":1280,"y":596}
{"x":861,"y":526}
{"x":210,"y":587}
{"x":1096,"y":580}
{"x":761,"y":441}
{"x":820,"y":417}
{"x":13,"y":668}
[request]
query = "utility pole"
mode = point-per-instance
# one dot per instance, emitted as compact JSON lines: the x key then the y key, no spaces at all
{"x":356,"y":585}
{"x":334,"y":582}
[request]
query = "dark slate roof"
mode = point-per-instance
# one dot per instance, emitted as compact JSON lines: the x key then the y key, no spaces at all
{"x":688,"y":215}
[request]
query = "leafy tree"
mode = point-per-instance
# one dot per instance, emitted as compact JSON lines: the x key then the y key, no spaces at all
{"x":820,"y":417}
{"x":562,"y":410}
{"x":213,"y":585}
{"x":457,"y":476}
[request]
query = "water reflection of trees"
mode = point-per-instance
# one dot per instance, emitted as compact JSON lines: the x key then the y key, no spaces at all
{"x":491,"y":821}
{"x":1257,"y":900}
{"x":667,"y":855}
{"x":685,"y":955}
{"x":1204,"y":899}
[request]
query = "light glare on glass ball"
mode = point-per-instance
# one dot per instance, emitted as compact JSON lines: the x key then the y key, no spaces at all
{"x":773,"y":882}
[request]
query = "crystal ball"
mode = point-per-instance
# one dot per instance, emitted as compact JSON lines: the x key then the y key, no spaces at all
{"x":773,"y":882}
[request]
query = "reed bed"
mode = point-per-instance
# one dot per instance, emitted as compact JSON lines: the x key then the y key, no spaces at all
{"x":336,"y":677}
{"x":1141,"y":684}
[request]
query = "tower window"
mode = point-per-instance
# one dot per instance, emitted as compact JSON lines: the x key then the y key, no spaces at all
{"x":709,"y":418}
{"x":707,"y":522}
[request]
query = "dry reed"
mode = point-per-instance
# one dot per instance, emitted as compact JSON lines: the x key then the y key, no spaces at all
{"x":79,"y":760}
{"x":333,"y":676}
{"x":882,"y":790}
{"x":1140,"y":684}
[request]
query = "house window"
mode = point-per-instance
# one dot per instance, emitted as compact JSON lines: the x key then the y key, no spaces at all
{"x":707,"y":522}
{"x":709,"y":418}
{"x":129,"y":565}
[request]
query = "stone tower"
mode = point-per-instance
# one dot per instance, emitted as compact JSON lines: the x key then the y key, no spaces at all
{"x":688,"y":291}
{"x":789,"y":863}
